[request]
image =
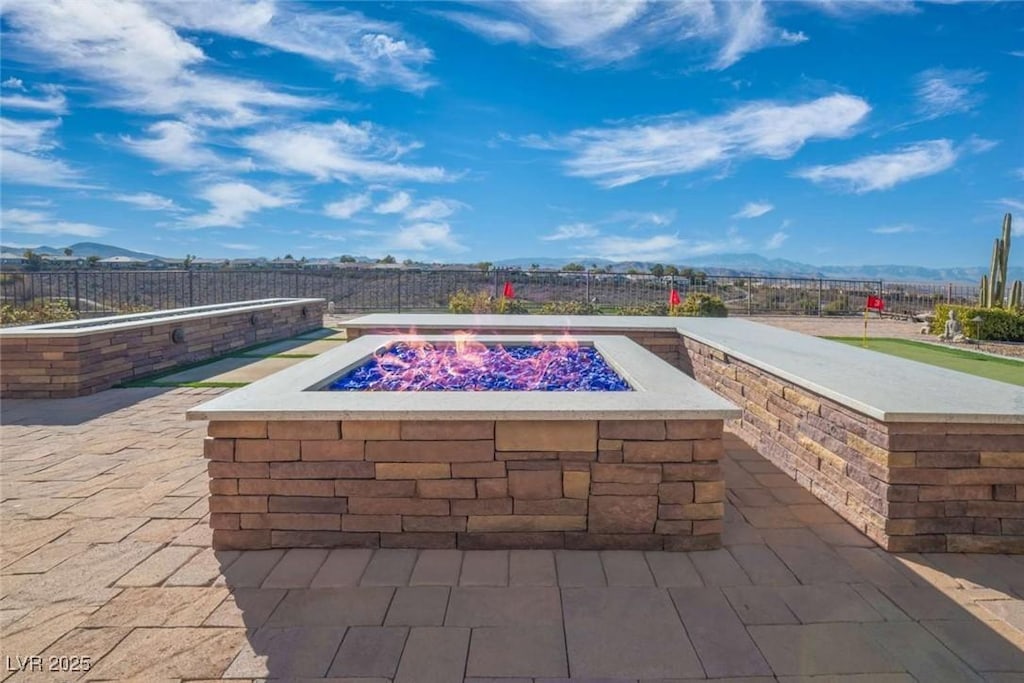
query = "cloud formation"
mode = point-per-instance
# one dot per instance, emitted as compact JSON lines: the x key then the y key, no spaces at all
{"x":231,"y":205}
{"x":753,"y":210}
{"x":675,"y":145}
{"x":42,"y":223}
{"x":884,"y":171}
{"x":597,"y":32}
{"x":941,"y":92}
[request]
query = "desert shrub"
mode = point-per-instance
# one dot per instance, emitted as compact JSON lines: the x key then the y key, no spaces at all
{"x":482,"y":302}
{"x":997,"y":324}
{"x":836,"y":307}
{"x":570,"y":308}
{"x":702,"y":306}
{"x":45,"y":312}
{"x":658,"y":309}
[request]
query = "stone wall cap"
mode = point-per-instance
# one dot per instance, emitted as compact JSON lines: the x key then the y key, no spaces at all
{"x":89,"y":326}
{"x":661,"y":392}
{"x":884,"y":387}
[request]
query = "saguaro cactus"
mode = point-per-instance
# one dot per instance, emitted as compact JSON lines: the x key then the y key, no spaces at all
{"x":993,"y":285}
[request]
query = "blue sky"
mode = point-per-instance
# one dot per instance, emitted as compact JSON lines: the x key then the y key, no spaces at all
{"x":824,"y":132}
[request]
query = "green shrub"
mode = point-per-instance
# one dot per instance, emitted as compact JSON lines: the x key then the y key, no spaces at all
{"x":45,"y":312}
{"x":643,"y":309}
{"x":997,"y":324}
{"x":482,"y":302}
{"x":702,"y":306}
{"x":569,"y":308}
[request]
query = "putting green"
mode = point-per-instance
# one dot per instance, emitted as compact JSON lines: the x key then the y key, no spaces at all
{"x":991,"y":367}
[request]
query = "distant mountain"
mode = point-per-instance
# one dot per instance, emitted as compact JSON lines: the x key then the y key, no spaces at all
{"x":715,"y":264}
{"x":85,"y":250}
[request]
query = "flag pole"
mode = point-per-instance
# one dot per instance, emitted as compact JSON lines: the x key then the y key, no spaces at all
{"x":864,"y":339}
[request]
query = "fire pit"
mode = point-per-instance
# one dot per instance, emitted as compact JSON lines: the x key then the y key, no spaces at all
{"x":471,"y":365}
{"x":454,"y":441}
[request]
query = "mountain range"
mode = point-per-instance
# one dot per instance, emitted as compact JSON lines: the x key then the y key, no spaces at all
{"x":717,"y":264}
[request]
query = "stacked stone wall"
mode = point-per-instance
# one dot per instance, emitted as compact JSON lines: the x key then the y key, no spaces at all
{"x":645,"y":484}
{"x":64,"y":366}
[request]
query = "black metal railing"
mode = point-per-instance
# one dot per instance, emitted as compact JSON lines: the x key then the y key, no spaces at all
{"x":106,"y":292}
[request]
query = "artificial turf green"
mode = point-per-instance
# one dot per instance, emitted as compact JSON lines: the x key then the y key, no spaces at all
{"x":1006,"y":370}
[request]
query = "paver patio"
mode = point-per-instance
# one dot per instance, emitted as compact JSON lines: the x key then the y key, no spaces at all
{"x":105,"y":554}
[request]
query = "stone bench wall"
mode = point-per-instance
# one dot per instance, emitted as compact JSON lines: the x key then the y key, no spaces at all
{"x":472,"y":484}
{"x":945,"y":487}
{"x":62,"y":366}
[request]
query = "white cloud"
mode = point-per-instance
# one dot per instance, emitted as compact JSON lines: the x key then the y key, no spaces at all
{"x":14,"y":83}
{"x":883,"y":171}
{"x":426,"y":237}
{"x":597,"y":32}
{"x":495,"y":30}
{"x":339,"y":151}
{"x":1014,"y":204}
{"x":941,"y":92}
{"x":25,"y":147}
{"x":851,"y":9}
{"x":432,"y":210}
{"x":753,"y":210}
{"x":747,"y":29}
{"x":148,"y":201}
{"x":893,"y":229}
{"x":571,"y":231}
{"x":661,"y":248}
{"x":236,"y":246}
{"x":368,"y":50}
{"x":52,"y":101}
{"x":776,"y":240}
{"x":41,"y":223}
{"x":174,"y":144}
{"x":672,"y":146}
{"x":232,"y":203}
{"x":347,"y":207}
{"x":396,"y":203}
{"x":28,"y":136}
{"x":141,"y":61}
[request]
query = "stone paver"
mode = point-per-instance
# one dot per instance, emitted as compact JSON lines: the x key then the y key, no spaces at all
{"x":437,"y":568}
{"x":720,"y":638}
{"x":434,"y":655}
{"x":286,"y":653}
{"x":370,"y":651}
{"x":626,"y":568}
{"x":105,"y":552}
{"x":820,"y":649}
{"x":532,"y":568}
{"x":418,"y":606}
{"x":484,"y":568}
{"x":617,"y":632}
{"x":500,"y":651}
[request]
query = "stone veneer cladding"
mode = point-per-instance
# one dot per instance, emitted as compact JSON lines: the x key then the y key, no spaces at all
{"x":911,"y":486}
{"x":638,"y":484}
{"x":64,"y":366}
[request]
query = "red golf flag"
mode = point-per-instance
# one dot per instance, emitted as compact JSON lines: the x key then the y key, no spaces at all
{"x":509,"y":292}
{"x":875,"y":303}
{"x":673,"y":298}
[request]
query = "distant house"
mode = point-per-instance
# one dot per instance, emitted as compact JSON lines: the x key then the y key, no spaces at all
{"x":167,"y":263}
{"x":319,"y":264}
{"x":208,"y":263}
{"x":62,"y":261}
{"x":284,"y":263}
{"x":247,"y":262}
{"x":9,"y":258}
{"x":124,"y":262}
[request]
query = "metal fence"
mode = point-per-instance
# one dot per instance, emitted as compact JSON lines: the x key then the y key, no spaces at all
{"x":105,"y":292}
